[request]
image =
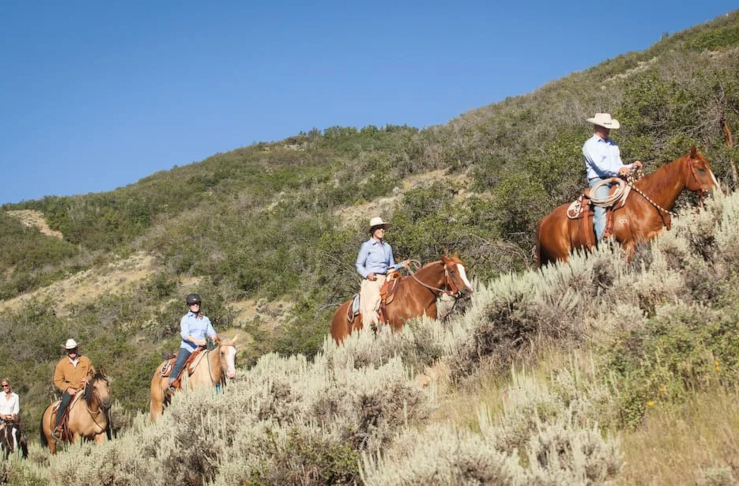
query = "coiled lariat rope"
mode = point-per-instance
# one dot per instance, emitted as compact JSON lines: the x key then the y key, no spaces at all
{"x":619,"y":192}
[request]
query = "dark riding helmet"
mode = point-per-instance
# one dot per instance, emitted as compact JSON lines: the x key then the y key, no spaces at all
{"x":193,"y":299}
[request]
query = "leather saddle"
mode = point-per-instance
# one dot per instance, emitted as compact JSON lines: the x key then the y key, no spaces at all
{"x":387,"y":295}
{"x":190,"y":364}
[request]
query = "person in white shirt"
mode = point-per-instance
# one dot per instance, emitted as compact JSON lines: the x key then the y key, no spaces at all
{"x":9,"y":402}
{"x":603,"y":161}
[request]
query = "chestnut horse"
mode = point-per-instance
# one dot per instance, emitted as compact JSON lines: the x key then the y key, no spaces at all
{"x":88,"y":415}
{"x":416,"y":295}
{"x":639,"y":219}
{"x":210,"y":372}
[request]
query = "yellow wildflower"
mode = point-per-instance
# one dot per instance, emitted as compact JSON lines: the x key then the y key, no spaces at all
{"x":718,"y":366}
{"x":663,"y":389}
{"x":650,"y":403}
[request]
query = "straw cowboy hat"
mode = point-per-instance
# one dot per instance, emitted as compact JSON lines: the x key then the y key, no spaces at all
{"x":375,"y":222}
{"x":70,"y":344}
{"x":604,"y":120}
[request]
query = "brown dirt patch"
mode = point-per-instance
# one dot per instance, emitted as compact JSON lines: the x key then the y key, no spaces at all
{"x":34,"y":219}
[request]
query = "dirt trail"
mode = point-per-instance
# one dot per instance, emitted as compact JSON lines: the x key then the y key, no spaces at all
{"x":34,"y":219}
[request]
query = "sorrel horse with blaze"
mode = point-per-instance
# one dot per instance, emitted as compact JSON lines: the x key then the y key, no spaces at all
{"x":638,"y":220}
{"x":416,"y":296}
{"x":210,"y":371}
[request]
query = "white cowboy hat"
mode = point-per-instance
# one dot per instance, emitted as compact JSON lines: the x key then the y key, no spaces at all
{"x":377,"y":221}
{"x":604,"y":120}
{"x":70,"y":344}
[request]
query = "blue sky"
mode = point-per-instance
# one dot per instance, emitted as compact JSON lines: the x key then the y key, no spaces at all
{"x":96,"y":95}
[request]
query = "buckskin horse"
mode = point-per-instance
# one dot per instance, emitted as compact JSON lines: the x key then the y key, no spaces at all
{"x":210,"y":371}
{"x":644,"y":215}
{"x":88,"y":415}
{"x":415,"y":296}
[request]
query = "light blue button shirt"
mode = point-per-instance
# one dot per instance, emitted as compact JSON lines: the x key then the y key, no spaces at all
{"x":375,"y":257}
{"x":602,"y":158}
{"x":190,"y":325}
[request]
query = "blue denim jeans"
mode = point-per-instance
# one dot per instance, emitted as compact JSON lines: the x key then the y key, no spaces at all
{"x":599,"y":218}
{"x":182,"y":356}
{"x":66,"y":400}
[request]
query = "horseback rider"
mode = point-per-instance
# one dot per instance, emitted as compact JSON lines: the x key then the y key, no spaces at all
{"x":374,"y":261}
{"x":71,"y":375}
{"x":603,"y":161}
{"x":9,"y":403}
{"x":194,"y":327}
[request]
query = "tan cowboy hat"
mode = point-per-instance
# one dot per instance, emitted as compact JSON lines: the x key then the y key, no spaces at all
{"x":70,"y":344}
{"x":604,"y":120}
{"x":377,"y":221}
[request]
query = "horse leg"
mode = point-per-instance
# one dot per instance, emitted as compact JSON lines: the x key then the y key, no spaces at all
{"x":99,"y":438}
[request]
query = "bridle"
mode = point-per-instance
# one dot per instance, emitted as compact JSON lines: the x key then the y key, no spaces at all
{"x":448,"y":281}
{"x":703,"y":189}
{"x":102,"y":407}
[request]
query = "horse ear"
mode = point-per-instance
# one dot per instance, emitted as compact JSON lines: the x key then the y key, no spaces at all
{"x":693,"y":152}
{"x":101,"y":370}
{"x":456,"y":255}
{"x":234,"y":338}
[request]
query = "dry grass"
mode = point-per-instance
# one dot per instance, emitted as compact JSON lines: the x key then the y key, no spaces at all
{"x":674,"y":447}
{"x":34,"y":219}
{"x":88,"y":285}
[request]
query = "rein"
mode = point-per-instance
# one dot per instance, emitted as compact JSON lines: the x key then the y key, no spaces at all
{"x":94,"y":414}
{"x":446,"y":276}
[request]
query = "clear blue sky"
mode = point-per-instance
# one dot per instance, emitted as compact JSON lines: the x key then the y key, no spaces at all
{"x":96,"y":95}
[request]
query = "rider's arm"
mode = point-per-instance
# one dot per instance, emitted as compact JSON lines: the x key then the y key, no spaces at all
{"x":598,"y":158}
{"x":390,"y":259}
{"x":209,"y":330}
{"x":16,"y":405}
{"x":59,"y":381}
{"x":362,"y":260}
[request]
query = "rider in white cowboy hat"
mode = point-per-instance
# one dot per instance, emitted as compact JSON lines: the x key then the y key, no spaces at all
{"x":374,"y":261}
{"x":603,"y":161}
{"x":71,"y":375}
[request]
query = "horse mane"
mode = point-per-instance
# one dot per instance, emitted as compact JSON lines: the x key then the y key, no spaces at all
{"x":99,"y":375}
{"x":659,"y":179}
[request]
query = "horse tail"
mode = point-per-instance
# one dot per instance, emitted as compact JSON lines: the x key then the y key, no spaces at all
{"x":44,"y":441}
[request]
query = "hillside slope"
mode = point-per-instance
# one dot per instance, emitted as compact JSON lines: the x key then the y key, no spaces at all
{"x":266,"y":222}
{"x":584,"y":354}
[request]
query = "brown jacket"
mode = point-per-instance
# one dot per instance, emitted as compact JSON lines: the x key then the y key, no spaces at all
{"x":66,"y":375}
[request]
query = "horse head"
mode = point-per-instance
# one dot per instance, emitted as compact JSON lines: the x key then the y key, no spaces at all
{"x":701,"y":178}
{"x":98,"y":389}
{"x":456,"y":275}
{"x":227,"y":356}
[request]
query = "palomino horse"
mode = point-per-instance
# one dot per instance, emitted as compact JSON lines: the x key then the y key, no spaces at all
{"x":416,"y":296}
{"x":210,"y":372}
{"x":639,"y":219}
{"x":12,"y":439}
{"x":88,"y":415}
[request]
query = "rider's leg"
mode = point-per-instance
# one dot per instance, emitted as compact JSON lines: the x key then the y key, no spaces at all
{"x":66,"y":399}
{"x":599,"y":218}
{"x":182,"y":356}
{"x":369,"y":300}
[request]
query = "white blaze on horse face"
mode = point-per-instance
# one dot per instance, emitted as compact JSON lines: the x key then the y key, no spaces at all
{"x":715,"y":182}
{"x":463,"y":274}
{"x":231,"y":362}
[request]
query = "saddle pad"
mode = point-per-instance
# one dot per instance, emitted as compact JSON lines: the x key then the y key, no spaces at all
{"x":355,"y":304}
{"x":576,"y":208}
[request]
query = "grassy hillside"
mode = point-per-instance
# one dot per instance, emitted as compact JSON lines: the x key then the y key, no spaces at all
{"x":282,"y":221}
{"x":597,"y":371}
